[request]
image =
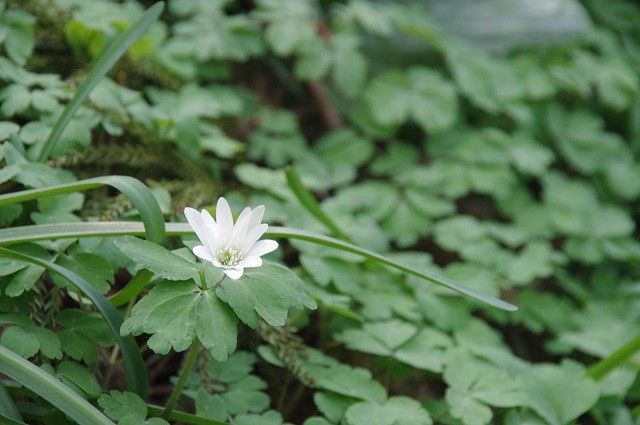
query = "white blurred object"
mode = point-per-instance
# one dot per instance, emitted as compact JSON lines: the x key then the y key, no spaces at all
{"x":501,"y":25}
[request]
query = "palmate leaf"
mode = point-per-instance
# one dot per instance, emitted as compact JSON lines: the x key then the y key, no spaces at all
{"x":420,"y":94}
{"x":27,"y":339}
{"x":176,"y":312}
{"x":423,"y":349}
{"x":394,"y":411}
{"x":560,"y":393}
{"x":235,"y":389}
{"x":83,"y":333}
{"x":128,"y":409}
{"x":268,"y":291}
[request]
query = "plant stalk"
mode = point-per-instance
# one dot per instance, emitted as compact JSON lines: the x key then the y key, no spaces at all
{"x":605,"y":366}
{"x":192,"y":355}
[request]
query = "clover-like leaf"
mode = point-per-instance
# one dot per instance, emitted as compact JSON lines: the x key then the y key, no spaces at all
{"x":395,"y":411}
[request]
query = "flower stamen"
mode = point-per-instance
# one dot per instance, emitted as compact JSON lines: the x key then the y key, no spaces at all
{"x":228,"y":256}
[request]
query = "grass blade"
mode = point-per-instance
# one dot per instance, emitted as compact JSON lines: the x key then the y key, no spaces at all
{"x":134,"y":366}
{"x":306,"y":198}
{"x":133,"y":288}
{"x":137,"y":193}
{"x":285,"y":232}
{"x":7,"y":420}
{"x":107,"y":59}
{"x":74,"y":230}
{"x":51,"y":389}
{"x":183,"y":417}
{"x":616,"y":359}
{"x":7,"y":408}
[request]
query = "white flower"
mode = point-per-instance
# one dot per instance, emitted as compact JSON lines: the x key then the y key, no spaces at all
{"x":228,"y":246}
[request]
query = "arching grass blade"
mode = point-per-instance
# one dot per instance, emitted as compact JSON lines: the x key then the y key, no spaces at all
{"x":138,"y":194}
{"x":53,"y":231}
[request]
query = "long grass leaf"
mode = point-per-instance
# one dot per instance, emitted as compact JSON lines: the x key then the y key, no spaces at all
{"x":7,"y":407}
{"x":306,"y":198}
{"x":74,"y":230}
{"x":103,"y":64}
{"x":138,"y":194}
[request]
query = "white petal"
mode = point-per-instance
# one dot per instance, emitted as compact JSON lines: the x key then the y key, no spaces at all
{"x":197,"y":224}
{"x":212,"y":230}
{"x":240,"y":228}
{"x":234,"y":274}
{"x":256,"y":217}
{"x":263,"y":247}
{"x":209,"y":221}
{"x":253,"y":236}
{"x":202,"y":252}
{"x":224,"y":218}
{"x":254,"y":261}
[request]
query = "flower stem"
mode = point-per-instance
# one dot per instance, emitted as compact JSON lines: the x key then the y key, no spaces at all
{"x":203,"y":279}
{"x":616,"y":359}
{"x":182,"y":379}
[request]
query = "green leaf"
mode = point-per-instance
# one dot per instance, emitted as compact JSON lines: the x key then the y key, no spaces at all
{"x":249,"y":298}
{"x":476,"y":385}
{"x":379,"y":337}
{"x":157,"y":259}
{"x":43,"y":339}
{"x":489,"y":82}
{"x":92,"y":268}
{"x":15,"y":99}
{"x":268,"y":418}
{"x":103,"y":64}
{"x":24,"y":280}
{"x":535,"y":261}
{"x":19,"y":39}
{"x":395,"y":411}
{"x":175,"y":313}
{"x":118,"y":405}
{"x":234,"y":389}
{"x":216,"y":326}
{"x":426,"y":350}
{"x":329,"y":374}
{"x":169,"y":313}
{"x":79,"y":376}
{"x":420,"y":94}
{"x":20,"y":341}
{"x":332,"y":405}
{"x":561,"y":393}
{"x":82,"y":334}
{"x":268,"y":291}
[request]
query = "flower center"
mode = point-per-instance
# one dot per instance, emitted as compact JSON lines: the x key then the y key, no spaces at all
{"x":228,"y":256}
